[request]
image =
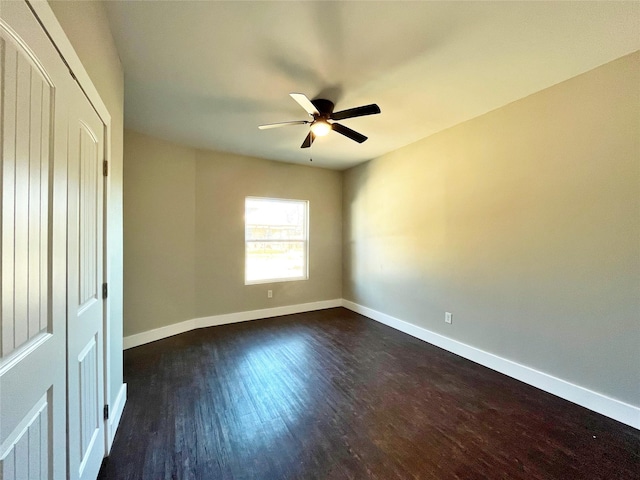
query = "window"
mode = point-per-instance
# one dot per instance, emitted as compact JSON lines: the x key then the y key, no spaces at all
{"x":276,"y":240}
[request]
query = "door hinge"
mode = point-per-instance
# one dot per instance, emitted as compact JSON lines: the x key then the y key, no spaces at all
{"x":105,"y":291}
{"x":105,"y":168}
{"x":105,"y":412}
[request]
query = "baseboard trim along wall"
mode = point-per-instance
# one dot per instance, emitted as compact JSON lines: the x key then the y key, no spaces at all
{"x":215,"y":320}
{"x":115,"y":414}
{"x":620,"y":411}
{"x":610,"y":407}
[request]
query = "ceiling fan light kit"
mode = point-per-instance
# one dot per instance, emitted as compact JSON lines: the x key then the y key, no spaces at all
{"x":321,"y":110}
{"x":320,"y":128}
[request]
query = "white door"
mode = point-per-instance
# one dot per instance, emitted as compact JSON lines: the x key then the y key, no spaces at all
{"x":85,"y":302}
{"x":35,"y":86}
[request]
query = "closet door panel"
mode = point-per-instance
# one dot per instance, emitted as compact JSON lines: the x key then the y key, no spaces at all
{"x":85,"y":303}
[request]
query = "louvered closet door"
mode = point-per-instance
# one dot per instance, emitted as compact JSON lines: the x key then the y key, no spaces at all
{"x":85,"y":303}
{"x":35,"y":87}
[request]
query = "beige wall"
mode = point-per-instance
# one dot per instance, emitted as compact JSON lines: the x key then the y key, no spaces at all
{"x":159,"y":233}
{"x":184,"y":232}
{"x":87,"y":28}
{"x":524,"y":223}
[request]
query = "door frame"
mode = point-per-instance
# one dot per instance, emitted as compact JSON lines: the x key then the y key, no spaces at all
{"x":52,"y":27}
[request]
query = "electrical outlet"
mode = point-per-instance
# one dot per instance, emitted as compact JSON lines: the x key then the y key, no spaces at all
{"x":448,"y":317}
{"x":269,"y":293}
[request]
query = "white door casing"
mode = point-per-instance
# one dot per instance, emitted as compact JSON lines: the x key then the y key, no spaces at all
{"x":85,"y":305}
{"x":35,"y":84}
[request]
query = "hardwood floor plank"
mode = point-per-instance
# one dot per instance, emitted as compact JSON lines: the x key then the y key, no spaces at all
{"x":334,"y":395}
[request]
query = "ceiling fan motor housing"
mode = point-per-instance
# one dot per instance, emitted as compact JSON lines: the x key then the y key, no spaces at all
{"x":325,"y":107}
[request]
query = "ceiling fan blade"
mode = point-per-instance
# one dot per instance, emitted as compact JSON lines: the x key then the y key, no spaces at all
{"x":356,"y":112}
{"x":347,"y":132}
{"x":308,"y":141}
{"x":282,"y":124}
{"x":305,"y":103}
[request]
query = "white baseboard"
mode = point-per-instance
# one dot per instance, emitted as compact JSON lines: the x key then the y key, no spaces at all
{"x":115,"y":414}
{"x":157,"y":334}
{"x":610,"y":407}
{"x":215,"y":320}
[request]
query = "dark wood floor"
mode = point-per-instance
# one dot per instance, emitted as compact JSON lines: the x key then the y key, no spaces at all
{"x":333,"y":395}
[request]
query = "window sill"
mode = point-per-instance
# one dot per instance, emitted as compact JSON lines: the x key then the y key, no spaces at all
{"x":275,"y":280}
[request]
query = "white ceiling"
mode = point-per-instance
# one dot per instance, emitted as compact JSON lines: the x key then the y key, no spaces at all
{"x":206,"y":74}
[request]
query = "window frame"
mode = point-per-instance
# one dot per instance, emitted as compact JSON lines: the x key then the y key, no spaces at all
{"x":305,"y":242}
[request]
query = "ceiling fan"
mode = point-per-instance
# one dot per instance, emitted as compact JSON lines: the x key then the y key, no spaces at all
{"x":321,"y":111}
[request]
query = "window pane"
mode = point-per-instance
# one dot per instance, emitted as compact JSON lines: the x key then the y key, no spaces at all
{"x":275,"y":260}
{"x":275,"y":219}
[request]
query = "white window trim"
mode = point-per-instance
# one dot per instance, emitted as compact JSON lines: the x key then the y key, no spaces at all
{"x":306,"y":243}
